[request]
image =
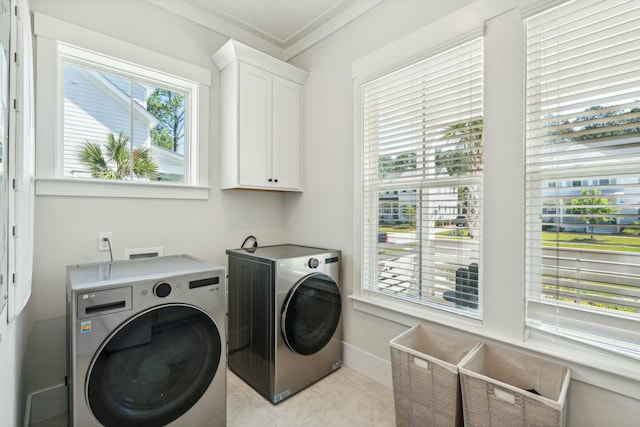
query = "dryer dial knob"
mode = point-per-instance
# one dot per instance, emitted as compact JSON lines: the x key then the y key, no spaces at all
{"x":313,"y":262}
{"x":162,"y":289}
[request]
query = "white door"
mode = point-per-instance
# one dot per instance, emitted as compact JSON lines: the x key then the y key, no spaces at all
{"x":254,"y":127}
{"x":287,"y":134}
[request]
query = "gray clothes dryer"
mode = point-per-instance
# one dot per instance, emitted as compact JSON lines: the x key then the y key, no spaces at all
{"x":146,"y":343}
{"x":284,"y":324}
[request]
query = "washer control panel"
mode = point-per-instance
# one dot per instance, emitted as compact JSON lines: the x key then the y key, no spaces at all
{"x":102,"y":302}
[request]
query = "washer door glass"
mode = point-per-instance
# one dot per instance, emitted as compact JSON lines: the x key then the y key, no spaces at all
{"x":311,"y":314}
{"x":154,"y":368}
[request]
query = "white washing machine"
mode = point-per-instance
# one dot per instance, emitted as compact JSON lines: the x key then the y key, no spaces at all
{"x":146,"y":342}
{"x":284,"y":317}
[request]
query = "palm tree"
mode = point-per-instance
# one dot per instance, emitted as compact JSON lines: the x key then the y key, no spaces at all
{"x":115,"y":161}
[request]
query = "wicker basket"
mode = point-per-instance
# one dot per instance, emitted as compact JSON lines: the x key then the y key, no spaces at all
{"x":505,"y":387}
{"x":424,"y":366}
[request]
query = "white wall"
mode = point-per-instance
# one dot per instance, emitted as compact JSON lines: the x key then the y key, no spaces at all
{"x":323,"y":214}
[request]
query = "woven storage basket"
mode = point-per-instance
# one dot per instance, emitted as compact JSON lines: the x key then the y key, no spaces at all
{"x":505,"y":387}
{"x":426,"y":387}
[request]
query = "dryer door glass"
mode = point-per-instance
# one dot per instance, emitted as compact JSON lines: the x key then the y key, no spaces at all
{"x":311,"y":314}
{"x":154,"y":368}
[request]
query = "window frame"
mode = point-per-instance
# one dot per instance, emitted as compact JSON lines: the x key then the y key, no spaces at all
{"x":57,"y":40}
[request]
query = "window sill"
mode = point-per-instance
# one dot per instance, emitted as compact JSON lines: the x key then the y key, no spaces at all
{"x":91,"y":188}
{"x":406,"y":312}
{"x":599,"y":368}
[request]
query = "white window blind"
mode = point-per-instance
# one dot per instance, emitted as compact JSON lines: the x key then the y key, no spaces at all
{"x":422,"y":180}
{"x":583,"y":173}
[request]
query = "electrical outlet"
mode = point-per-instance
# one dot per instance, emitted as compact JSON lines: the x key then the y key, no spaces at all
{"x":103,"y":241}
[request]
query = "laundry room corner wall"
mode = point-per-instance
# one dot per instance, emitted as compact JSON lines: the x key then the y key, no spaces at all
{"x":66,"y":227}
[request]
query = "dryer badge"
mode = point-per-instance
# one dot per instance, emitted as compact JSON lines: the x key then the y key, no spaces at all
{"x":85,"y":327}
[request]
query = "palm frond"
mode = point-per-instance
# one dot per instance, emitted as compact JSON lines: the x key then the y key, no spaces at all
{"x":118,"y":152}
{"x":143,"y":165}
{"x":91,"y":156}
{"x":112,"y":160}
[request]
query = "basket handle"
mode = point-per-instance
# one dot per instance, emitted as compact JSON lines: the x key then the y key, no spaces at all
{"x":507,"y":396}
{"x":421,"y":363}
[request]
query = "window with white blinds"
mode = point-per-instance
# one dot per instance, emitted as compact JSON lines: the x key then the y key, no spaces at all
{"x":583,"y":173}
{"x":422,"y":180}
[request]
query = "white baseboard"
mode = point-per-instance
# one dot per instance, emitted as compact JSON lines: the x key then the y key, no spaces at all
{"x":368,"y":364}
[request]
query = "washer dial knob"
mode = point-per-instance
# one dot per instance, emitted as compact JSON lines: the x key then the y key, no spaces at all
{"x":162,"y":289}
{"x":313,"y":263}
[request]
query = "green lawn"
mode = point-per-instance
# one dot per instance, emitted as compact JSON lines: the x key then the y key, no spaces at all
{"x":392,"y":229}
{"x":607,"y":242}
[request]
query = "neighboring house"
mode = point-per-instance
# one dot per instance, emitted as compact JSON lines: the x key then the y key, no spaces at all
{"x":170,"y":163}
{"x":86,"y":119}
{"x":442,"y":201}
{"x":394,"y":205}
{"x":621,"y":192}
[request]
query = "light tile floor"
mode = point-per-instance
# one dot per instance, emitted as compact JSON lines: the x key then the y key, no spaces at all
{"x":344,"y":398}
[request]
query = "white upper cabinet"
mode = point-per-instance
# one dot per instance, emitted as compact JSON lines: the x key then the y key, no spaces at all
{"x":261,"y":120}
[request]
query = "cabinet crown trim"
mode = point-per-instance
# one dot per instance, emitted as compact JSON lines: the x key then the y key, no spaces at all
{"x":233,"y":50}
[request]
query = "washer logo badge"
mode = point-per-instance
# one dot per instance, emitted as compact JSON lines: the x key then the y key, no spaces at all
{"x":85,"y":327}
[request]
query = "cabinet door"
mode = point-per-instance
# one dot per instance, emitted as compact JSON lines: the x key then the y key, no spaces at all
{"x":287,"y":134}
{"x":254,"y":127}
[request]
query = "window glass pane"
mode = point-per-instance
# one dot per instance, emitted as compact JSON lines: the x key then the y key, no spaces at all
{"x":167,"y":134}
{"x":96,"y":110}
{"x":118,"y":127}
